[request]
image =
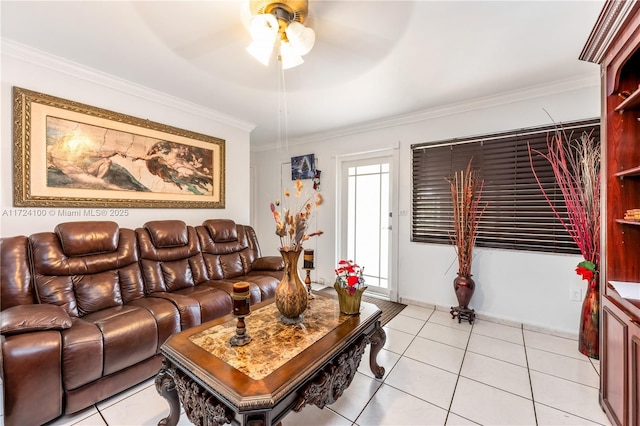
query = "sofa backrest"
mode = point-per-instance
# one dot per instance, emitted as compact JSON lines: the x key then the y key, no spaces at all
{"x":226,"y":249}
{"x":86,"y":266}
{"x":170,"y":256}
{"x":15,"y":273}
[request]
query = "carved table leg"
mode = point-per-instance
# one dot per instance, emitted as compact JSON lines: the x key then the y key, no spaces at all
{"x":166,"y":387}
{"x":378,"y":338}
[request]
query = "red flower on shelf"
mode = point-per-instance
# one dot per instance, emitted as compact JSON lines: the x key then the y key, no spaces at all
{"x":349,"y":275}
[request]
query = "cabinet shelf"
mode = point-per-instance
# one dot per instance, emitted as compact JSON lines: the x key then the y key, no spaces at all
{"x":628,"y":222}
{"x":629,"y":172}
{"x":632,"y":102}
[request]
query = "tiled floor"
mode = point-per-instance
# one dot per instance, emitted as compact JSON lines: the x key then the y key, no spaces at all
{"x":437,"y":372}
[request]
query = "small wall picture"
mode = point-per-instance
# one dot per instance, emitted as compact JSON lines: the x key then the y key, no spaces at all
{"x":303,"y":167}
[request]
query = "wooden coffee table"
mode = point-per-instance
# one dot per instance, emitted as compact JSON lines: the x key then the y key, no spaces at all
{"x":283,"y":368}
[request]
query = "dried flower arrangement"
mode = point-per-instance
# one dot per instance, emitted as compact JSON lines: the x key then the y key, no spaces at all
{"x":576,"y":167}
{"x":292,"y":223}
{"x":466,"y":194}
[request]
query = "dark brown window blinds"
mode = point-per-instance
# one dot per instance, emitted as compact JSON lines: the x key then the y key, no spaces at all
{"x":518,"y":216}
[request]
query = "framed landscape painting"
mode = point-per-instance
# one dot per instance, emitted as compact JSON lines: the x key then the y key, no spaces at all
{"x":68,"y":154}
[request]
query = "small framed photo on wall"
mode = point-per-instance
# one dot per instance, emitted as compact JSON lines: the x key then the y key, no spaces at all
{"x":303,"y":167}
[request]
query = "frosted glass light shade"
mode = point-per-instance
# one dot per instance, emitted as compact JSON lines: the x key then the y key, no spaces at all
{"x":301,"y":38}
{"x":288,"y":56}
{"x":265,"y":25}
{"x":261,"y":51}
{"x":264,"y":31}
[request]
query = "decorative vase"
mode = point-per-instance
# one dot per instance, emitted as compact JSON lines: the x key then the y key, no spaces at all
{"x":464,"y":286}
{"x":588,"y":338}
{"x":349,"y":303}
{"x":291,"y":294}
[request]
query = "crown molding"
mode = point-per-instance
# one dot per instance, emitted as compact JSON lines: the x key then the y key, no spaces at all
{"x":612,"y":16}
{"x":532,"y":92}
{"x":44,"y":59}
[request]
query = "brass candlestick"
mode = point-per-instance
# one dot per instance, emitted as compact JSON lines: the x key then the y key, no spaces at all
{"x":241,"y":338}
{"x":241,"y":309}
{"x":308,"y":266}
{"x":307,"y":281}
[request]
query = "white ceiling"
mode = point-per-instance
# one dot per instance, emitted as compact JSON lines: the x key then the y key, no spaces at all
{"x":372,"y":60}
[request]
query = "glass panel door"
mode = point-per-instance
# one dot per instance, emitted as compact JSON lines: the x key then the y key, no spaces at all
{"x":367,"y":218}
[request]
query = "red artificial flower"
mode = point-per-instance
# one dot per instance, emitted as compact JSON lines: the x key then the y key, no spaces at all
{"x":587,"y":270}
{"x":352,"y":280}
{"x":585,"y":273}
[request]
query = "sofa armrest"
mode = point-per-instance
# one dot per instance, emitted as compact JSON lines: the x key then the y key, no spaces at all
{"x":28,"y":318}
{"x":268,"y":263}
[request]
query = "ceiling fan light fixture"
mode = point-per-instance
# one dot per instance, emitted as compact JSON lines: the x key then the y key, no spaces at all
{"x":283,"y":20}
{"x":301,"y":38}
{"x":264,"y":31}
{"x":288,"y":56}
{"x":261,"y":51}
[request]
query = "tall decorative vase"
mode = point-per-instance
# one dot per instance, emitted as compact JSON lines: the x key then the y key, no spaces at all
{"x":349,"y":303}
{"x":588,"y":338}
{"x":464,"y":286}
{"x":291,"y":294}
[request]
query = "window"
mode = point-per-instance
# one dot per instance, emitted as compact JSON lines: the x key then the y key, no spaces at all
{"x":518,"y":216}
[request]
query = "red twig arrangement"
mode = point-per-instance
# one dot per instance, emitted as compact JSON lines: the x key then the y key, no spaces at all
{"x":576,"y":166}
{"x":466,"y":194}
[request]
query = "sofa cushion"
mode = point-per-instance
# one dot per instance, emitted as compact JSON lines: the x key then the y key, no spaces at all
{"x":26,"y":318}
{"x":168,"y":233}
{"x":82,"y":238}
{"x":221,"y":230}
{"x":129,"y":334}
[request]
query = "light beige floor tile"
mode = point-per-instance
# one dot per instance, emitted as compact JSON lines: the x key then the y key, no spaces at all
{"x":494,"y":372}
{"x":314,"y":416}
{"x":491,"y":406}
{"x":145,"y":408}
{"x":444,"y":318}
{"x":456,"y":420}
{"x":94,"y":420}
{"x":149,"y":383}
{"x":576,"y":370}
{"x":436,"y":354}
{"x":498,"y":331}
{"x":397,"y":341}
{"x":555,"y":344}
{"x":499,"y":349}
{"x":406,"y":324}
{"x":548,"y":416}
{"x":75,"y":418}
{"x":356,"y":396}
{"x":393,"y":407}
{"x":386,"y":359}
{"x":418,"y":312}
{"x":444,"y":334}
{"x":424,"y":381}
{"x":571,"y":397}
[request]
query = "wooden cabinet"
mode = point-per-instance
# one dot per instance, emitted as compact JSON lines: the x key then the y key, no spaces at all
{"x":615,"y":44}
{"x":620,"y":364}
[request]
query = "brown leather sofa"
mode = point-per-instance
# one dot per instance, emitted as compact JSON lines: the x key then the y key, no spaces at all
{"x":86,"y":308}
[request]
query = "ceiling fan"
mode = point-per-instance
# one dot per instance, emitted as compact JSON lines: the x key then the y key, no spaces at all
{"x":278,"y":25}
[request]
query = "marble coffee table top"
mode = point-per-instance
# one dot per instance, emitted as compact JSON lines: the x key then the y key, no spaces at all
{"x":273,"y":343}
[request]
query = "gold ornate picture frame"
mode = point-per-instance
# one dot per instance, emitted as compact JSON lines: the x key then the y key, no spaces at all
{"x":68,"y":154}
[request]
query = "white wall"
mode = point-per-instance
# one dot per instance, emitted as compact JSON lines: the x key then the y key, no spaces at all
{"x":43,"y":73}
{"x":523,"y":287}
